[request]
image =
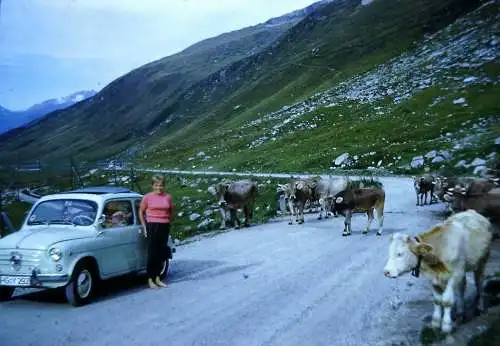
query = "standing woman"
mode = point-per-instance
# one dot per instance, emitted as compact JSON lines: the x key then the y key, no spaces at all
{"x":157,"y":207}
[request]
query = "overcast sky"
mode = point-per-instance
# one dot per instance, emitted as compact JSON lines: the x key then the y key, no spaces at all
{"x":51,"y":48}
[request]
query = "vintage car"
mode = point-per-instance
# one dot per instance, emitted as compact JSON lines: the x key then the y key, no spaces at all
{"x":74,"y":239}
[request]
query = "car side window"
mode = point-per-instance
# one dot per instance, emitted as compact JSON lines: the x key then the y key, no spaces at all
{"x":118,"y":214}
{"x":137,"y":204}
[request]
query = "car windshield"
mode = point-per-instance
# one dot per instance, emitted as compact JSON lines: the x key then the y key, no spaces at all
{"x":64,"y":211}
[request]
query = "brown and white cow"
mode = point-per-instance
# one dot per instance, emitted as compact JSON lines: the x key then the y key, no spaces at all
{"x":445,"y":253}
{"x":234,"y":195}
{"x":360,"y":200}
{"x":316,"y":189}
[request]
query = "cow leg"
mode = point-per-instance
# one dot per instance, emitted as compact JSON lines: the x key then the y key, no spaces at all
{"x":479,"y":303}
{"x":322,"y":208}
{"x":448,"y":303}
{"x":223,"y":218}
{"x":291,"y":207}
{"x":301,"y":212}
{"x":369,"y":213}
{"x":460,"y":315}
{"x":248,"y":211}
{"x":347,"y":223}
{"x":437,"y":292}
{"x":380,"y":217}
{"x":431,"y":194}
{"x":235,"y":219}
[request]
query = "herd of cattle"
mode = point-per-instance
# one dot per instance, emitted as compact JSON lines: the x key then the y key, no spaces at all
{"x":458,"y":245}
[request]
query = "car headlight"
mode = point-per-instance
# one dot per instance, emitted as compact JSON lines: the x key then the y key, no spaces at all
{"x":55,"y":254}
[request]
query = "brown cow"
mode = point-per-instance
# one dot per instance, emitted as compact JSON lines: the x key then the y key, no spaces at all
{"x":234,"y":195}
{"x":484,"y":200}
{"x":424,"y":185}
{"x":360,"y":200}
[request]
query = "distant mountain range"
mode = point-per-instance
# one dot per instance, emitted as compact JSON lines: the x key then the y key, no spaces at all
{"x":12,"y":119}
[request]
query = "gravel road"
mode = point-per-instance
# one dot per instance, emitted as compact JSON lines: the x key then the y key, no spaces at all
{"x":271,"y":284}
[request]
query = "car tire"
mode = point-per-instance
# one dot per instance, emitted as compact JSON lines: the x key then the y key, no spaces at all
{"x":165,"y":267}
{"x":82,"y":285}
{"x":6,"y":292}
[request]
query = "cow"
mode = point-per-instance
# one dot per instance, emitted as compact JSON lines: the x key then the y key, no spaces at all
{"x":360,"y":200}
{"x":234,"y":195}
{"x":445,"y":253}
{"x":424,"y":185}
{"x":286,"y":189}
{"x":316,"y":189}
{"x":301,"y":192}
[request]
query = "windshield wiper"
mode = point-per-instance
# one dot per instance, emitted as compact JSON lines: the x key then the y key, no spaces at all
{"x":60,"y":222}
{"x":38,"y":222}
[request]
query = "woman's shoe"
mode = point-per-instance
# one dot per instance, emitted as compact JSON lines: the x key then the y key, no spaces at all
{"x":152,"y":284}
{"x":159,"y":283}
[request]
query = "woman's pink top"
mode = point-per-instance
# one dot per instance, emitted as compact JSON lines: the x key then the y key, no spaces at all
{"x":158,"y":207}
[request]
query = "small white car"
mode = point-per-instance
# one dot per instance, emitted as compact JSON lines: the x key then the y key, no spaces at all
{"x":73,"y":240}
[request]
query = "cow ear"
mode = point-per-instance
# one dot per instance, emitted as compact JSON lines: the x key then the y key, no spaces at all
{"x":339,"y":200}
{"x":422,"y":249}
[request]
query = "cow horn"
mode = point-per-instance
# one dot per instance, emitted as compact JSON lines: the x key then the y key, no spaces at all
{"x":339,"y":200}
{"x":433,"y":183}
{"x":451,"y":189}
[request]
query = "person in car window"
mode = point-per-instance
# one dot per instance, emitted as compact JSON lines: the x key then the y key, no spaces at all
{"x":156,"y":213}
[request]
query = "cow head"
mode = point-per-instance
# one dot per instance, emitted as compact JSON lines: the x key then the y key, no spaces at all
{"x":458,"y":196}
{"x":404,"y":252}
{"x":219,"y":191}
{"x":297,"y":185}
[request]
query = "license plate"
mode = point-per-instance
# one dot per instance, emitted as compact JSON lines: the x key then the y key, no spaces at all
{"x":15,"y":281}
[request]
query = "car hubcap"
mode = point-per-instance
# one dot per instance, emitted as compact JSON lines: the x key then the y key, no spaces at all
{"x":84,"y":284}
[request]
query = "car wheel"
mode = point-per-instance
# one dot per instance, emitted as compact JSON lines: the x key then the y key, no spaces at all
{"x":82,"y":284}
{"x":164,"y":269}
{"x":6,"y":292}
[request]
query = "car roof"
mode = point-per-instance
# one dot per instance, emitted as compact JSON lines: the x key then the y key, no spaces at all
{"x":100,"y":190}
{"x":96,"y":193}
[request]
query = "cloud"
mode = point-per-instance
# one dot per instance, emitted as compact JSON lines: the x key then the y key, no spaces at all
{"x":121,"y":33}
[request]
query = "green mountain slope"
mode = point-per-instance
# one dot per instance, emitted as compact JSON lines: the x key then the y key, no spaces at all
{"x":327,"y":48}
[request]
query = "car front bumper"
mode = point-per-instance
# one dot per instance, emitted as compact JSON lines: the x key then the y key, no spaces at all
{"x":35,"y":280}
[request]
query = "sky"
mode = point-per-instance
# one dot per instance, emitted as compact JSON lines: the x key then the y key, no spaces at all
{"x":52,"y":48}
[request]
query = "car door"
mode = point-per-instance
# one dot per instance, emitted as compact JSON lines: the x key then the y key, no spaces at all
{"x":141,"y":246}
{"x":118,"y":238}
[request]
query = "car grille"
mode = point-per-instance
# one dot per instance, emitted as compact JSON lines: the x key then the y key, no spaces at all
{"x":30,"y":259}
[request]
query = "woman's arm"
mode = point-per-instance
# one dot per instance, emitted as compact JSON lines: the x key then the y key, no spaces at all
{"x":142,"y":209}
{"x":171,"y":208}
